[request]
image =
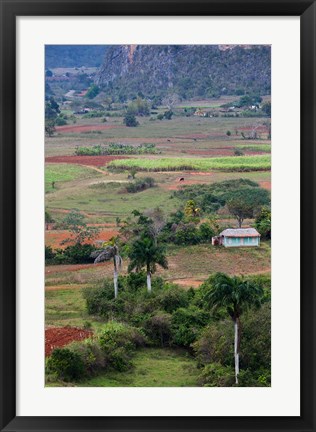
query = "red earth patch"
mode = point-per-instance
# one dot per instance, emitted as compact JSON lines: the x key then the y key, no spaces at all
{"x":56,"y":337}
{"x":96,"y":161}
{"x":54,"y":238}
{"x":70,"y":267}
{"x":265,"y":184}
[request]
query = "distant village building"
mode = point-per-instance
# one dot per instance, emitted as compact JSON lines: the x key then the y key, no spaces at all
{"x":238,"y":237}
{"x":200,"y":113}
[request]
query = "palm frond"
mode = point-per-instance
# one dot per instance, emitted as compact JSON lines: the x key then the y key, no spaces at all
{"x":105,"y":255}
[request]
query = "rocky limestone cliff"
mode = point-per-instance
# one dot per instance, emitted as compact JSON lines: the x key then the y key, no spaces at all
{"x":188,"y":70}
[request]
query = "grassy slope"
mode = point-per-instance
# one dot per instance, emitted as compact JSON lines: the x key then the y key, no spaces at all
{"x":60,"y":173}
{"x":153,"y":367}
{"x":65,"y":307}
{"x":109,"y":200}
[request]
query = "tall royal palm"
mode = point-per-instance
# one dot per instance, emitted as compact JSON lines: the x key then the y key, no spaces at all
{"x":106,"y":254}
{"x":145,"y":253}
{"x":236,"y":295}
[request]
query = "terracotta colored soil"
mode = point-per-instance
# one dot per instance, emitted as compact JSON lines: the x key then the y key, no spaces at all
{"x":187,"y":283}
{"x":85,"y":128}
{"x":97,"y":161}
{"x":258,"y":128}
{"x":53,"y":238}
{"x":60,"y":336}
{"x":265,"y":184}
{"x":62,"y":268}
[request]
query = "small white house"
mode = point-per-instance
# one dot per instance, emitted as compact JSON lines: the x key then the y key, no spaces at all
{"x":239,"y":237}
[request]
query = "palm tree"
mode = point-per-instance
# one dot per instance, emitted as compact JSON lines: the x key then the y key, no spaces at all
{"x":236,"y":295}
{"x":106,"y":254}
{"x":145,"y":253}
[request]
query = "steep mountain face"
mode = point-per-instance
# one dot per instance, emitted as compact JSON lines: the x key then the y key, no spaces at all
{"x":186,"y":70}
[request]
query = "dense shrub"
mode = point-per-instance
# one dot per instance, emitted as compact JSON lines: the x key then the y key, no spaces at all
{"x":91,"y":354}
{"x":60,"y":121}
{"x":140,"y":185}
{"x":88,"y":151}
{"x":258,"y":378}
{"x":263,"y":223}
{"x":187,"y":324}
{"x":99,"y":299}
{"x":186,"y":234}
{"x":94,"y":114}
{"x":49,"y":254}
{"x":65,"y":364}
{"x":74,"y":254}
{"x":118,"y":341}
{"x":216,"y":344}
{"x":130,"y":120}
{"x":116,"y":149}
{"x":217,"y":375}
{"x":255,"y":347}
{"x":158,"y":328}
{"x":206,"y":232}
{"x":168,"y":114}
{"x":92,"y":92}
{"x":173,"y":297}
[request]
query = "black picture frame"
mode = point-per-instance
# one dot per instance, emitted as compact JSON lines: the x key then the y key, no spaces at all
{"x":9,"y":11}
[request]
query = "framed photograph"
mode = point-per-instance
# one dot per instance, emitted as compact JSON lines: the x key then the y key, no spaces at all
{"x":147,"y":151}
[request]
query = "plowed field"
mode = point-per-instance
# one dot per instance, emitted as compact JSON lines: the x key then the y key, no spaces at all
{"x":60,"y":336}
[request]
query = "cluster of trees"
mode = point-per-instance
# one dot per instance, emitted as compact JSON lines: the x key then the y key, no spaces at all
{"x":205,"y":321}
{"x":92,"y":92}
{"x":52,"y":112}
{"x":166,"y":115}
{"x":242,"y":197}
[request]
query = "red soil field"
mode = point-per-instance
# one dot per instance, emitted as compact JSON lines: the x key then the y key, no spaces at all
{"x":187,"y":283}
{"x":56,"y":337}
{"x":265,"y":184}
{"x":260,"y":128}
{"x":96,"y":161}
{"x":53,"y":238}
{"x":70,"y":267}
{"x":85,"y":128}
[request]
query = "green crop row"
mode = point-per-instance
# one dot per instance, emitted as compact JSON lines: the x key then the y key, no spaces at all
{"x":255,"y":147}
{"x":233,"y":163}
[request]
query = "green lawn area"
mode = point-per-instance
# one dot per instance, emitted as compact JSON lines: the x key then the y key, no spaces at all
{"x":153,"y":367}
{"x":60,"y":173}
{"x":65,"y":307}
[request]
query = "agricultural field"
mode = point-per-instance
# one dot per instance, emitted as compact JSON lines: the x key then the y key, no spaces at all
{"x":164,"y":184}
